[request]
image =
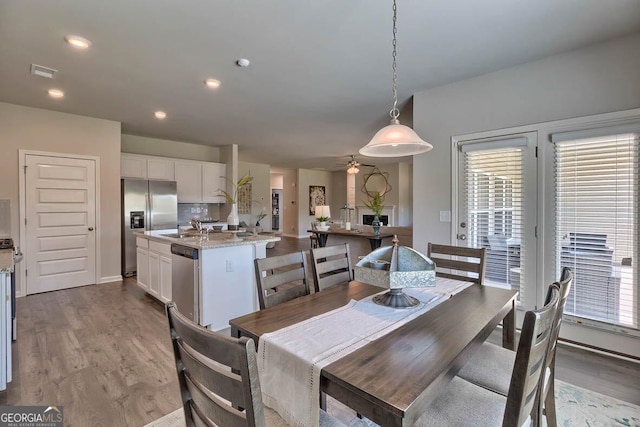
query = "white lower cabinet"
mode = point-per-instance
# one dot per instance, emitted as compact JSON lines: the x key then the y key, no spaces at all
{"x":143,"y":268}
{"x":165,"y":279}
{"x":154,"y":274}
{"x":154,"y":270}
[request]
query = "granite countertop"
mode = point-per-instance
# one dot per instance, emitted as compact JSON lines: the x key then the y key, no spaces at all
{"x":212,"y":241}
{"x":6,"y":260}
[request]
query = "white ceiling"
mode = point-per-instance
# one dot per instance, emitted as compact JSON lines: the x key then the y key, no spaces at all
{"x":319,"y":82}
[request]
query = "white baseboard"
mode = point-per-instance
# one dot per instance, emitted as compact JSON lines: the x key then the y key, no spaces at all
{"x":110,"y":279}
{"x":295,"y":236}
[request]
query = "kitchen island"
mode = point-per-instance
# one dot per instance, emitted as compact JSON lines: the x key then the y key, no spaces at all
{"x":220,"y":282}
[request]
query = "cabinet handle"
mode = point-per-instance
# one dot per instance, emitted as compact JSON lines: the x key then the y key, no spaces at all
{"x":90,"y":229}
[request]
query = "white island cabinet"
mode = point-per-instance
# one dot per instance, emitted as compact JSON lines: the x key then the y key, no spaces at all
{"x":225,"y":286}
{"x":154,"y":267}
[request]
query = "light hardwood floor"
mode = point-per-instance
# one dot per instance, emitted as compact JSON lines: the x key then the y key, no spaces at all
{"x":103,"y":352}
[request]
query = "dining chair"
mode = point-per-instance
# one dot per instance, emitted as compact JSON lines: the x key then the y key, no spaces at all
{"x":218,"y":378}
{"x":490,"y":366}
{"x":204,"y":361}
{"x":475,"y":262}
{"x":331,"y":266}
{"x":462,"y":403}
{"x":281,"y":278}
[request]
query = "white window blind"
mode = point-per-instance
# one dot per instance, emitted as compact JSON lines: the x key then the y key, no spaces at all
{"x":494,"y":207}
{"x":597,"y":225}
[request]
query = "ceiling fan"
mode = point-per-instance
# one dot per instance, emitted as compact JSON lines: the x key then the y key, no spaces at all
{"x":353,"y":166}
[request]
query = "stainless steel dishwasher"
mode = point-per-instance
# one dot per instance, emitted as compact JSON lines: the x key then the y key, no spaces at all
{"x":185,"y":277}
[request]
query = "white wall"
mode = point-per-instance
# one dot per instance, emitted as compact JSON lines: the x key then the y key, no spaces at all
{"x":167,"y":148}
{"x":260,"y":193}
{"x":307,"y":177}
{"x":42,"y":130}
{"x":597,"y":79}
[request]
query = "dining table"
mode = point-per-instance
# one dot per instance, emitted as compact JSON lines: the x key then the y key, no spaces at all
{"x":391,"y":380}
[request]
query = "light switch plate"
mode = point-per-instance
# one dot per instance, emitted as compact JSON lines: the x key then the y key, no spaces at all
{"x":445,"y":216}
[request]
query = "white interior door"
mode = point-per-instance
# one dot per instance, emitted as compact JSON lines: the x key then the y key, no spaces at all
{"x":497,"y":208}
{"x":60,"y":222}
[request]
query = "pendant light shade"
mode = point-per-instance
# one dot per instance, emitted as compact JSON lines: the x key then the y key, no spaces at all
{"x":395,"y":140}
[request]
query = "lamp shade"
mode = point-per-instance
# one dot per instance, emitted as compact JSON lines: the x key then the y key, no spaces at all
{"x":395,"y":140}
{"x":353,"y":169}
{"x":322,"y":210}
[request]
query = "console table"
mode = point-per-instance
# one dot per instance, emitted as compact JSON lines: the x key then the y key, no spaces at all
{"x":375,"y":240}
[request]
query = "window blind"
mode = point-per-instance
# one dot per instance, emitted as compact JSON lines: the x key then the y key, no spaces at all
{"x":494,"y":207}
{"x":597,"y":225}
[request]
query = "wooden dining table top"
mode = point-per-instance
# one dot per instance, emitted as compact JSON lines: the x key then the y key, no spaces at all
{"x":392,"y":379}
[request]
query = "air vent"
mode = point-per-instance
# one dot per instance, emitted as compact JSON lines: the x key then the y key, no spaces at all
{"x":39,"y":70}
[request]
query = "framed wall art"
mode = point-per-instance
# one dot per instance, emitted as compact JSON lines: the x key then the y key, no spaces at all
{"x":317,"y":197}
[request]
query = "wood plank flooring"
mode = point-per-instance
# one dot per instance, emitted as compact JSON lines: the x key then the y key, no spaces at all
{"x":103,"y":352}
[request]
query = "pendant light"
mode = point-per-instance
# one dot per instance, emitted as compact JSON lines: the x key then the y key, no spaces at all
{"x":395,"y":140}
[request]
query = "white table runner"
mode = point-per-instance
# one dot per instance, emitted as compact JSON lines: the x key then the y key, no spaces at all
{"x":290,"y":359}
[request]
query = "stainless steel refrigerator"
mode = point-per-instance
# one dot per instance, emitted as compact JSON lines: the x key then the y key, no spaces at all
{"x":146,"y":205}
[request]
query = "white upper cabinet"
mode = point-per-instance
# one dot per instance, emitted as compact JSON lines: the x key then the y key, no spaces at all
{"x":132,"y":166}
{"x":212,"y":181}
{"x":160,"y":169}
{"x":198,"y":182}
{"x":189,"y":179}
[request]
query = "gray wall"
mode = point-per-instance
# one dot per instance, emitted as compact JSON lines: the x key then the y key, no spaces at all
{"x":598,"y":79}
{"x":167,"y":148}
{"x":42,"y":130}
{"x":307,"y":177}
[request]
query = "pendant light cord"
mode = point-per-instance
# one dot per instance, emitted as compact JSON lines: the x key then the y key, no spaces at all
{"x":394,"y":113}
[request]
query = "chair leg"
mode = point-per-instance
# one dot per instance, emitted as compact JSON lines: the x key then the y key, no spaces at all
{"x":550,"y":404}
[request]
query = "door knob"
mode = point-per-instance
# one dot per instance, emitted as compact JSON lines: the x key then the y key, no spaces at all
{"x":462,"y":236}
{"x":90,"y":228}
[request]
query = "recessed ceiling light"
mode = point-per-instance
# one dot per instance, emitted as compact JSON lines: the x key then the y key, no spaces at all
{"x":212,"y":83}
{"x":55,"y":93}
{"x":78,"y":42}
{"x":160,"y":115}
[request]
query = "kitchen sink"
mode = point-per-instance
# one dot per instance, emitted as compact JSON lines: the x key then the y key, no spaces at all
{"x":180,"y":235}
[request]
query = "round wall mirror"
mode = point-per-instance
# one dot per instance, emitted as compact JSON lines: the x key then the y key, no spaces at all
{"x":376,"y":182}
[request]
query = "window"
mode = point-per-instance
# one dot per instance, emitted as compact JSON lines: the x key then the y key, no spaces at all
{"x":596,"y":204}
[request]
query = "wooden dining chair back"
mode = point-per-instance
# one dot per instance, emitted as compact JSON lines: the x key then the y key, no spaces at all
{"x":528,"y":368}
{"x":449,"y":264}
{"x":331,"y":266}
{"x":547,"y":401}
{"x":214,"y":369}
{"x":281,"y":278}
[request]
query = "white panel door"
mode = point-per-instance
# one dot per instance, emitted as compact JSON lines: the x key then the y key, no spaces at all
{"x":60,"y":223}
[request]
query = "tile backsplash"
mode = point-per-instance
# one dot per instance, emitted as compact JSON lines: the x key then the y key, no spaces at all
{"x":201,"y":211}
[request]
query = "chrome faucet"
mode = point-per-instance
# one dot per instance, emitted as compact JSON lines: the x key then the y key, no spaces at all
{"x":197,"y":224}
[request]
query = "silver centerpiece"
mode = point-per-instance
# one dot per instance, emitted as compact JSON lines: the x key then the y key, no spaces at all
{"x":396,"y":267}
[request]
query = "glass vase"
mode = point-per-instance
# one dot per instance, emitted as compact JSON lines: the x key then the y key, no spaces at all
{"x":376,"y":225}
